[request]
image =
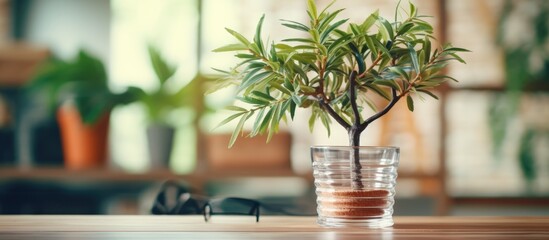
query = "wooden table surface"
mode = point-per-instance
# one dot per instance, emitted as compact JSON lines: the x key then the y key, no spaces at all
{"x":269,"y":227}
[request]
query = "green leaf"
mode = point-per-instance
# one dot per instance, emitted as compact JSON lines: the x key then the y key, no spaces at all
{"x":312,"y":120}
{"x":355,"y":29}
{"x":296,"y":99}
{"x":413,"y":56}
{"x":328,"y":19}
{"x":410,"y":103}
{"x":252,"y":80}
{"x":251,"y":100}
{"x":326,"y":33}
{"x":311,"y":8}
{"x":328,"y":6}
{"x":369,"y":22}
{"x":266,"y":121}
{"x":455,"y":49}
{"x":277,"y":115}
{"x":284,"y":107}
{"x":256,"y":65}
{"x":295,"y":25}
{"x":388,"y":83}
{"x":457,"y":58}
{"x":304,"y":40}
{"x":413,"y":10}
{"x":422,"y":27}
{"x":273,"y":128}
{"x":379,"y":91}
{"x":384,"y":62}
{"x":421,"y":59}
{"x":257,"y":123}
{"x":257,"y":38}
{"x":236,"y":108}
{"x":281,"y":88}
{"x":428,"y":93}
{"x":386,"y":29}
{"x":427,"y":49}
{"x":381,"y":47}
{"x":315,"y":35}
{"x":231,"y":48}
{"x":442,"y":77}
{"x":326,"y":122}
{"x":246,"y":56}
{"x":397,"y":8}
{"x":371,"y":45}
{"x":404,"y":28}
{"x":284,"y":47}
{"x":238,"y":36}
{"x":263,"y":96}
{"x":288,"y":85}
{"x":230,"y":118}
{"x":358,"y":57}
{"x":274,"y":56}
{"x":399,"y":71}
{"x":161,"y":68}
{"x":339,"y":42}
{"x":238,"y":129}
{"x":293,"y":107}
{"x":307,"y":89}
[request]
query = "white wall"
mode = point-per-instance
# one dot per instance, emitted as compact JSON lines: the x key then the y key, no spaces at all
{"x":65,"y":26}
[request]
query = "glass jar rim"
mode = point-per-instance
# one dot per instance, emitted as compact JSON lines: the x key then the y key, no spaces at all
{"x":351,"y":147}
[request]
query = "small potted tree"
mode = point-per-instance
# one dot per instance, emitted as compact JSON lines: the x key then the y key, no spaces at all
{"x":78,"y":91}
{"x":334,"y":71}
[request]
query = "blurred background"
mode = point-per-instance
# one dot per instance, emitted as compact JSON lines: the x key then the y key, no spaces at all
{"x":482,"y":149}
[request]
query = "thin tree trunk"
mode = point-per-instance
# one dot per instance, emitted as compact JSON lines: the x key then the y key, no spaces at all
{"x":354,"y":136}
{"x":357,"y":127}
{"x":356,"y":166}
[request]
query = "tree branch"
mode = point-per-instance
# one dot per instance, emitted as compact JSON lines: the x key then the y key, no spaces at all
{"x":352,"y":97}
{"x":333,"y":114}
{"x":374,"y":117}
{"x":374,"y":63}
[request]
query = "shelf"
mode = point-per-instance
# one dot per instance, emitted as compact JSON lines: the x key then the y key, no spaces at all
{"x":107,"y":175}
{"x":61,"y":174}
{"x":534,"y":87}
{"x":502,"y":201}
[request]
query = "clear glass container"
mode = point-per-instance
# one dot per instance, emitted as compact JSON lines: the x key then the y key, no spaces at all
{"x":355,"y":193}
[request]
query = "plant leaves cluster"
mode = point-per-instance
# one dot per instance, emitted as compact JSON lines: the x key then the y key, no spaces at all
{"x":334,"y":69}
{"x":83,"y":80}
{"x":161,"y":101}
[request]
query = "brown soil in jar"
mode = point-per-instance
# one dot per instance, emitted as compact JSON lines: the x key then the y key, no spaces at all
{"x":354,"y":213}
{"x":354,"y":204}
{"x":356,"y":193}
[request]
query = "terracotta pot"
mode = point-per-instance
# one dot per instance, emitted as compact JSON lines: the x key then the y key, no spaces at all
{"x":84,"y":146}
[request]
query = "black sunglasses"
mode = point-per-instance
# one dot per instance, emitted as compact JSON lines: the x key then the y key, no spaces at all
{"x":175,"y":199}
{"x":231,"y":206}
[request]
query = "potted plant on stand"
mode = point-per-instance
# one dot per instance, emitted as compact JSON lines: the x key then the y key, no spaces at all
{"x":334,"y":71}
{"x":161,"y":102}
{"x":79,"y":92}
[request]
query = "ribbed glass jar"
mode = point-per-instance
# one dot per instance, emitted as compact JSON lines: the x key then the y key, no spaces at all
{"x":351,"y":194}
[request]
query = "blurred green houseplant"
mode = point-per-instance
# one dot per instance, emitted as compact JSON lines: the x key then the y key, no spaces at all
{"x":160,"y":103}
{"x":78,"y":91}
{"x":83,"y":81}
{"x":164,"y":99}
{"x":526,"y":65}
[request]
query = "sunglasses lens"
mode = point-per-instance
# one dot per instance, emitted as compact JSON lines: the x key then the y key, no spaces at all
{"x":232,"y":206}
